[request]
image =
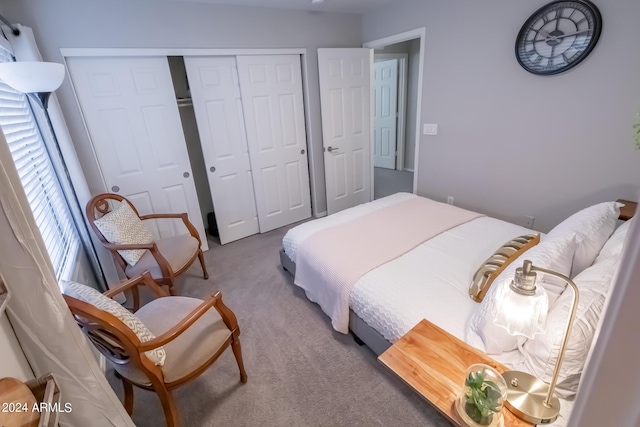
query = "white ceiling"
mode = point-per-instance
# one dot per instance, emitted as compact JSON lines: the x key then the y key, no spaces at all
{"x":350,"y":6}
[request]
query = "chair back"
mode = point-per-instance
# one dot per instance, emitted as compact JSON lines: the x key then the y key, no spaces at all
{"x":112,"y":338}
{"x":98,"y":207}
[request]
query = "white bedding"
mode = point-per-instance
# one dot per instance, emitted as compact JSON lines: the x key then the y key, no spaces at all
{"x":294,"y":237}
{"x":430,"y":282}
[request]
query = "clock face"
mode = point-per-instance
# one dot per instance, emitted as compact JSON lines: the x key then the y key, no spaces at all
{"x":558,"y":36}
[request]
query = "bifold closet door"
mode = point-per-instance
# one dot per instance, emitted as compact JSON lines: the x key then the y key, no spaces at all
{"x":215,"y":92}
{"x":130,"y":110}
{"x":271,"y":87}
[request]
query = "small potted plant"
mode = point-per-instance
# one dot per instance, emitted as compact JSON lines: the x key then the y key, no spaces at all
{"x":482,"y":398}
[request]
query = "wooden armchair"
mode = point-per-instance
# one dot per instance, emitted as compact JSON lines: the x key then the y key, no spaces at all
{"x":192,"y":334}
{"x":165,"y":258}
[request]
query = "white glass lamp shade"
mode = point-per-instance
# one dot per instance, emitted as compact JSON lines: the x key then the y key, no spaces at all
{"x":519,"y":314}
{"x":32,"y":77}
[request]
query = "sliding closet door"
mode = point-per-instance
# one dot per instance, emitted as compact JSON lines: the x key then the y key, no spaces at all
{"x":131,"y":113}
{"x":271,"y":87}
{"x":213,"y":82}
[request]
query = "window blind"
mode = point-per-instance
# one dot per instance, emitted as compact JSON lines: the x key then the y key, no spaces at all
{"x":39,"y":180}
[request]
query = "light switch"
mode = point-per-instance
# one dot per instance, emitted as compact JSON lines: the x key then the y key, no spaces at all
{"x":430,"y":129}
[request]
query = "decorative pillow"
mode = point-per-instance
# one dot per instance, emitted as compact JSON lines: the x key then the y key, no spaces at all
{"x":122,"y":226}
{"x":615,"y":244}
{"x":95,"y":298}
{"x":553,"y":254}
{"x":496,"y":263}
{"x":541,"y":353}
{"x":592,"y":227}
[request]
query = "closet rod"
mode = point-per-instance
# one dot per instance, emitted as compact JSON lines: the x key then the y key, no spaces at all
{"x":15,"y":30}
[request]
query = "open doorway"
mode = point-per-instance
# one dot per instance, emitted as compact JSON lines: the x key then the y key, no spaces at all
{"x":396,"y":88}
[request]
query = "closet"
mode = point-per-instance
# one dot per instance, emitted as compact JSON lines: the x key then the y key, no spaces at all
{"x":249,"y":116}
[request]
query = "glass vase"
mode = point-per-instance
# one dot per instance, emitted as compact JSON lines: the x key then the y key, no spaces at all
{"x":483,"y":394}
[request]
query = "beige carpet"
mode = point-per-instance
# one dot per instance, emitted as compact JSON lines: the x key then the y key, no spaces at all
{"x":301,"y":372}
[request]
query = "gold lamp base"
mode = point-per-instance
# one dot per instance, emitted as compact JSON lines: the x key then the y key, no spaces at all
{"x":525,"y":398}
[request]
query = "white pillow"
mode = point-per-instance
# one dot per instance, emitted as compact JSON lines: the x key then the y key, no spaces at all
{"x":553,"y":254}
{"x":541,"y":352}
{"x":122,"y":226}
{"x":615,"y":244}
{"x":592,"y":227}
{"x":95,"y":298}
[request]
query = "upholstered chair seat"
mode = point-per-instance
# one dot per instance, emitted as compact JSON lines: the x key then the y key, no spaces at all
{"x":189,"y":351}
{"x":177,"y":250}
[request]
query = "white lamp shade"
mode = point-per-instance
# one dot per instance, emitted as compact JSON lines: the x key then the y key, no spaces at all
{"x":524,"y":315}
{"x":32,"y":77}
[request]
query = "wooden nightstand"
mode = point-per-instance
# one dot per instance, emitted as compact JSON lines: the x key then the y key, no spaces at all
{"x":433,"y":363}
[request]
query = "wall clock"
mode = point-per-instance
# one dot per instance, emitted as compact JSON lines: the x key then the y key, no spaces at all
{"x":558,"y":36}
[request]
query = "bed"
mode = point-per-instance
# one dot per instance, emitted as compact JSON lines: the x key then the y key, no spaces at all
{"x":431,"y":279}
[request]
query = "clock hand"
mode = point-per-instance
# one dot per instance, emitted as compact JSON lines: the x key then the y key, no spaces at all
{"x":548,"y":36}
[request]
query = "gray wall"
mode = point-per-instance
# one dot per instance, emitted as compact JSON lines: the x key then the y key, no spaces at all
{"x":510,"y":143}
{"x":174,"y":24}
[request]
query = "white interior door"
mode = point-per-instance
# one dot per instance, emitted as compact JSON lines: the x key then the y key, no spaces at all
{"x":345,"y":98}
{"x":215,"y":91}
{"x":130,"y":109}
{"x":385,"y":113}
{"x":271,"y":87}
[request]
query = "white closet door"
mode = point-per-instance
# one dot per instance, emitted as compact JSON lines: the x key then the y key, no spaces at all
{"x":385,"y":116}
{"x":129,"y":107}
{"x":271,"y":87}
{"x":345,"y":100}
{"x":215,"y":92}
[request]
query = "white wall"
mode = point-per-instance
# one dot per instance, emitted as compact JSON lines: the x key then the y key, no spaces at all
{"x":12,"y":360}
{"x":175,"y":24}
{"x":511,"y":143}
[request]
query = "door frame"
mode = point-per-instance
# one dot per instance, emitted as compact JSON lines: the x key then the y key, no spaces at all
{"x":418,"y":33}
{"x":403,"y":78}
{"x":104,"y":52}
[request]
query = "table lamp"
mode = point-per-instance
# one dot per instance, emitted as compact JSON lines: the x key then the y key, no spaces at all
{"x":521,"y":308}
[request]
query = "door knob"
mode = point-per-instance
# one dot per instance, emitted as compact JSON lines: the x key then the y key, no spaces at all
{"x":115,"y":188}
{"x":212,"y":168}
{"x":330,"y":149}
{"x":186,"y":175}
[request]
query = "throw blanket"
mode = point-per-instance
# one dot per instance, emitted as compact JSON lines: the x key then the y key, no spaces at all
{"x":331,"y":261}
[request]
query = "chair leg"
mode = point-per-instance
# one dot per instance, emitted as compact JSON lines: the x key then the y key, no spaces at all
{"x":237,"y":352}
{"x":204,"y":267}
{"x":128,"y":396}
{"x":169,"y":407}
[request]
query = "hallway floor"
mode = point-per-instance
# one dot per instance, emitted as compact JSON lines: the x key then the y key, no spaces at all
{"x":391,"y":181}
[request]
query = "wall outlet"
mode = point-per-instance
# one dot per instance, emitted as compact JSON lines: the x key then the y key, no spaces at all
{"x":528,"y":221}
{"x":450,"y":201}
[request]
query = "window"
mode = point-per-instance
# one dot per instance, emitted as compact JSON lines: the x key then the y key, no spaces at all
{"x":38,"y":177}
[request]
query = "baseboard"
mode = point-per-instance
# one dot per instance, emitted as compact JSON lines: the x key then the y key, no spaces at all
{"x":321,"y":214}
{"x":408,"y":170}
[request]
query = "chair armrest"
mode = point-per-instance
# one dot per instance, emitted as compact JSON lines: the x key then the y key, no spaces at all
{"x":160,"y":216}
{"x":228,"y":317}
{"x":181,"y":327}
{"x":185,"y":220}
{"x":133,"y":246}
{"x":144,"y":279}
